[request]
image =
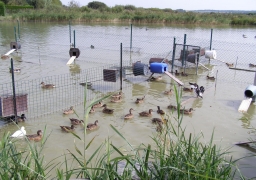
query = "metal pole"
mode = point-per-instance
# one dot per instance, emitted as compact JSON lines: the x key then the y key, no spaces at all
{"x":211,"y":40}
{"x":18,"y":28}
{"x":121,"y":67}
{"x":15,"y":34}
{"x":74,"y":39}
{"x":131,"y":39}
{"x":183,"y":57}
{"x":14,"y":95}
{"x":69,"y":33}
{"x":197,"y":62}
{"x":173,"y":52}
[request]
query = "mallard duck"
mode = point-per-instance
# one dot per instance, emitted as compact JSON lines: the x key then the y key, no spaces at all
{"x":168,"y":92}
{"x":185,"y":111}
{"x":17,"y":70}
{"x":92,"y":110}
{"x":188,"y":89}
{"x":99,"y":104}
{"x":92,"y":46}
{"x":92,"y":126}
{"x":116,"y":100}
{"x":210,"y":77}
{"x":117,"y":95}
{"x":35,"y":137}
{"x":184,"y":74}
{"x":47,"y":86}
{"x":193,"y":85}
{"x":140,"y":100}
{"x":130,"y":115}
{"x":156,"y":78}
{"x":160,"y":111}
{"x":177,"y":73}
{"x":21,"y":118}
{"x":159,"y":120}
{"x":5,"y":57}
{"x":106,"y":110}
{"x":69,"y":111}
{"x":252,"y":65}
{"x":230,"y":64}
{"x":19,"y":133}
{"x":172,"y":107}
{"x":145,"y":113}
{"x":67,"y":128}
{"x":76,"y":121}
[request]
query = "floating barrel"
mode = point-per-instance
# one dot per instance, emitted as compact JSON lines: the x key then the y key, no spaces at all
{"x":191,"y":58}
{"x":158,"y":67}
{"x":74,"y":52}
{"x":211,"y":54}
{"x":250,"y":91}
{"x":15,"y":45}
{"x":140,"y":69}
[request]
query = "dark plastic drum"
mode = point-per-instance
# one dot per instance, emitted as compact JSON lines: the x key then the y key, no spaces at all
{"x":15,"y":45}
{"x":74,"y":52}
{"x":140,"y":69}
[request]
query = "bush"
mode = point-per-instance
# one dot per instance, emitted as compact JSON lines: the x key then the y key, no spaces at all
{"x":2,"y":9}
{"x":85,"y":9}
{"x":96,"y":5}
{"x":129,"y":7}
{"x":117,"y":9}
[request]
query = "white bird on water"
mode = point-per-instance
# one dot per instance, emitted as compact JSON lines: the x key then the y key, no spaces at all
{"x":19,"y":133}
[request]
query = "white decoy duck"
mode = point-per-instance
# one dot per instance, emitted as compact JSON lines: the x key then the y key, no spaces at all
{"x":19,"y":133}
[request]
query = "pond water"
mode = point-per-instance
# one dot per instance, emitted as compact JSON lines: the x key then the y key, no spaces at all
{"x":45,"y":52}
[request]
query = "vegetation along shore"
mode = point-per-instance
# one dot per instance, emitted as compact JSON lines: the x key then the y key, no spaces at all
{"x":43,"y":11}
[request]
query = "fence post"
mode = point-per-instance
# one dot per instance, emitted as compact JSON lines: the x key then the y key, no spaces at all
{"x":69,"y":33}
{"x":18,"y":28}
{"x":15,"y":34}
{"x":131,"y":39}
{"x":211,"y":40}
{"x":184,"y":48}
{"x":74,"y":39}
{"x":13,"y":90}
{"x":121,"y":67}
{"x":173,"y":52}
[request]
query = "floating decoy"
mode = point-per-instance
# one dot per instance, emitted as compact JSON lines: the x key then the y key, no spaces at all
{"x":92,"y":126}
{"x":116,"y":100}
{"x":230,"y":64}
{"x":47,"y":86}
{"x":99,"y":104}
{"x":130,"y":115}
{"x":107,"y":110}
{"x":67,"y":128}
{"x":188,"y":89}
{"x":184,"y":74}
{"x":140,"y":100}
{"x":19,"y":133}
{"x":185,"y":111}
{"x":17,"y":70}
{"x":210,"y":77}
{"x":156,"y":78}
{"x":92,"y":47}
{"x":76,"y":121}
{"x":119,"y":94}
{"x":69,"y":111}
{"x":177,"y":73}
{"x":145,"y":113}
{"x":92,"y":110}
{"x":168,"y":92}
{"x":252,"y":65}
{"x":35,"y":137}
{"x":160,"y":111}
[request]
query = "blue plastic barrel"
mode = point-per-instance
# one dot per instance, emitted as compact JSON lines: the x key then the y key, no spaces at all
{"x":158,"y":67}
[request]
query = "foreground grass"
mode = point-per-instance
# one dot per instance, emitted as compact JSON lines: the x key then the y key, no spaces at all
{"x":173,"y":155}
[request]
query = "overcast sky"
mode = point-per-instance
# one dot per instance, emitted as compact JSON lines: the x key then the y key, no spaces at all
{"x":179,"y":4}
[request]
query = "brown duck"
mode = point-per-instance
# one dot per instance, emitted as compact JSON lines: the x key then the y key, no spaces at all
{"x":177,"y":73}
{"x":140,"y":100}
{"x":76,"y":121}
{"x":183,"y":74}
{"x":185,"y":111}
{"x":92,"y":126}
{"x":47,"y":86}
{"x":230,"y":64}
{"x":99,"y":104}
{"x":116,"y":100}
{"x":35,"y":137}
{"x":158,"y":120}
{"x":145,"y":113}
{"x":117,"y":95}
{"x":172,"y":107}
{"x":107,"y":110}
{"x":130,"y":115}
{"x":188,"y":89}
{"x":92,"y":110}
{"x":210,"y":77}
{"x":69,"y":111}
{"x":67,"y":128}
{"x":160,"y":111}
{"x":168,"y":92}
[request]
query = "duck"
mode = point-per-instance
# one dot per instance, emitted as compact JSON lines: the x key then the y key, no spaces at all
{"x":19,"y":133}
{"x":230,"y":64}
{"x":76,"y":121}
{"x":158,"y":120}
{"x":67,"y":128}
{"x":244,"y":36}
{"x":210,"y":77}
{"x":193,"y":85}
{"x":92,"y":110}
{"x":107,"y":110}
{"x":172,"y":107}
{"x":5,"y":57}
{"x":89,"y":84}
{"x":119,"y":94}
{"x":99,"y":104}
{"x":35,"y":137}
{"x":130,"y":115}
{"x":21,"y":118}
{"x":159,"y":128}
{"x":252,"y":65}
{"x":17,"y":70}
{"x":47,"y":86}
{"x":188,"y":89}
{"x":184,"y":74}
{"x":168,"y":92}
{"x":200,"y":91}
{"x":177,"y":73}
{"x":160,"y":111}
{"x":145,"y":113}
{"x":140,"y":100}
{"x":185,"y":111}
{"x":92,"y":46}
{"x":92,"y":126}
{"x":116,"y":100}
{"x":69,"y":111}
{"x":156,"y":78}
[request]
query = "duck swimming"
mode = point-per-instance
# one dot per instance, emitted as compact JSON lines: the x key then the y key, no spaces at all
{"x":67,"y":128}
{"x":117,"y":95}
{"x":145,"y":113}
{"x":185,"y":111}
{"x":47,"y":86}
{"x":107,"y":110}
{"x":188,"y":89}
{"x":69,"y":111}
{"x":76,"y":121}
{"x":99,"y":104}
{"x":230,"y":64}
{"x":140,"y":100}
{"x":130,"y":115}
{"x":160,"y":111}
{"x":156,"y":78}
{"x":183,"y":74}
{"x":210,"y":77}
{"x":92,"y":110}
{"x":17,"y":70}
{"x":168,"y":92}
{"x":177,"y":73}
{"x":35,"y":137}
{"x":116,"y":100}
{"x":92,"y":126}
{"x":19,"y":133}
{"x":172,"y":107}
{"x":158,"y":120}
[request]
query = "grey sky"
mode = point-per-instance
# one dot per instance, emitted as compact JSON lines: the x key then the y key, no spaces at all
{"x":179,"y":4}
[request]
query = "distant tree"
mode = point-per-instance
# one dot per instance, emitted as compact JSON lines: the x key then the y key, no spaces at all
{"x":96,"y":5}
{"x":73,"y":4}
{"x":36,"y":3}
{"x":57,"y":2}
{"x":117,"y":9}
{"x":129,"y":7}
